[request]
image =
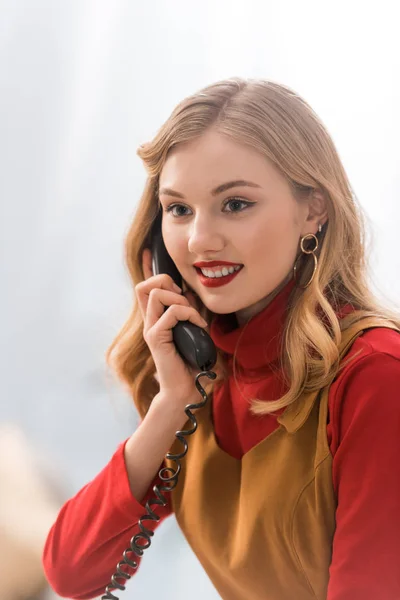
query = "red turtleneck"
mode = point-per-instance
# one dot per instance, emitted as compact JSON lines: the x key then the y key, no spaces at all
{"x":364,"y":437}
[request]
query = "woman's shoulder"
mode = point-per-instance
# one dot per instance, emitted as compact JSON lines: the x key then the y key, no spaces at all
{"x":365,"y":392}
{"x":376,"y":341}
{"x":370,"y":368}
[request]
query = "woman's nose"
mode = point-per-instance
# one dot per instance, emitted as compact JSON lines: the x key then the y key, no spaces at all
{"x":204,"y":238}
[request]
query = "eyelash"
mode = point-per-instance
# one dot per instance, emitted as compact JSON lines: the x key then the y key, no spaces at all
{"x":246,"y":202}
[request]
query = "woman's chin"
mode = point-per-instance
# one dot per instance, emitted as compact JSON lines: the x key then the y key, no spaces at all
{"x":220,"y":307}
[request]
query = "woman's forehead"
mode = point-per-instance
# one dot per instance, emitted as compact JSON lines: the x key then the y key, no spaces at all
{"x":213,"y":159}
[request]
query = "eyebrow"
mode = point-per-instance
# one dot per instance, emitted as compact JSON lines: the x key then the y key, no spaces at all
{"x":218,"y":190}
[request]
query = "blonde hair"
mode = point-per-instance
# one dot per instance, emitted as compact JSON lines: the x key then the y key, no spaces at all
{"x":274,"y":120}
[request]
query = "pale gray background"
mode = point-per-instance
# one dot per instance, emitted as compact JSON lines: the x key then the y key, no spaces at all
{"x":82,"y":84}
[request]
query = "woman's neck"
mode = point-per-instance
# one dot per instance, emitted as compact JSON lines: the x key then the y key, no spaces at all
{"x":245,"y":314}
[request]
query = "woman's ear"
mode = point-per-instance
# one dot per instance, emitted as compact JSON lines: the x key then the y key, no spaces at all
{"x":317,"y":212}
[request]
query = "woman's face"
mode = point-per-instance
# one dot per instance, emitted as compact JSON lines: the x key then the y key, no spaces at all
{"x":253,"y":220}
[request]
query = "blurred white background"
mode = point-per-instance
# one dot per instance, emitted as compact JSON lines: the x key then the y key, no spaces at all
{"x":82,"y":84}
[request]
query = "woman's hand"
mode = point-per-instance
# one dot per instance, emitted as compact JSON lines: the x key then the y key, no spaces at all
{"x":176,"y":378}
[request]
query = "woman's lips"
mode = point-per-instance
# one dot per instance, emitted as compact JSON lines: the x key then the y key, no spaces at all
{"x":217,"y":281}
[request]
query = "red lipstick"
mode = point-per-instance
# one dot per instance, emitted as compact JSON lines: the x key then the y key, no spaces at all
{"x":212,"y":282}
{"x":215,"y":263}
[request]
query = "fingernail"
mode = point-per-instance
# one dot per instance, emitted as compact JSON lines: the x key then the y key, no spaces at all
{"x":177,"y":288}
{"x":204,"y":322}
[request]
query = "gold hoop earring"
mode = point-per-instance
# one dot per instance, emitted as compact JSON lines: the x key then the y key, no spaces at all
{"x":309,"y":236}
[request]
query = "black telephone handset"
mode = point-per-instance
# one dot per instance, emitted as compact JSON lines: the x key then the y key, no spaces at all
{"x":198,"y":350}
{"x":192,"y":342}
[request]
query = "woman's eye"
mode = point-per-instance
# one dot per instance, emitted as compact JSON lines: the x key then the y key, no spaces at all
{"x":171,"y":209}
{"x":237,"y":202}
{"x":237,"y":205}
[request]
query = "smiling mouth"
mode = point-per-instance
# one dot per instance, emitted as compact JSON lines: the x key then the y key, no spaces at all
{"x":224,"y":271}
{"x":219,"y":278}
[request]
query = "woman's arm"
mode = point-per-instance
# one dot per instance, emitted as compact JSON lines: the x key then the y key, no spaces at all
{"x":366,"y":548}
{"x":94,"y":527}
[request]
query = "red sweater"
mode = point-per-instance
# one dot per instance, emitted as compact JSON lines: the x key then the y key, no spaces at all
{"x":364,"y":436}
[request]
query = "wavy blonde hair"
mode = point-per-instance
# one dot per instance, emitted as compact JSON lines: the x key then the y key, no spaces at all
{"x":274,"y":120}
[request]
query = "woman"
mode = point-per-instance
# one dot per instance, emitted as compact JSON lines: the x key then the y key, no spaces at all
{"x":290,"y":489}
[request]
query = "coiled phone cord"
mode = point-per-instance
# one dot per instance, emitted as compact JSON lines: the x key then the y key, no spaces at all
{"x":136,"y":545}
